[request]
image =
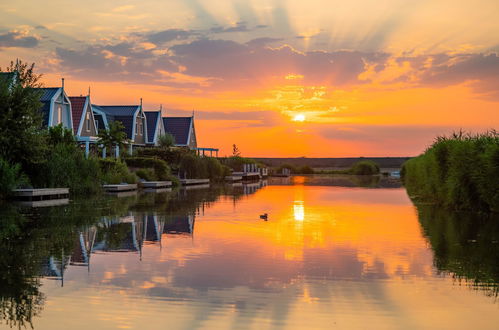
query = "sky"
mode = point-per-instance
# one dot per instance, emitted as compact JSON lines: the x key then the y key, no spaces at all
{"x":278,"y":78}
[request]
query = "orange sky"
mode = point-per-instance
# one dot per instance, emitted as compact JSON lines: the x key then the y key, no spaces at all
{"x":371,"y":78}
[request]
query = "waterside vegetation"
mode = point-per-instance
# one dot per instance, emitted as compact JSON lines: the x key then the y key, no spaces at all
{"x":460,"y":171}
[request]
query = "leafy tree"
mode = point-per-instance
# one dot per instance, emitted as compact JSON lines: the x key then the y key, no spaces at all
{"x":22,"y":140}
{"x":114,"y":136}
{"x":60,"y":135}
{"x":235,"y":151}
{"x":166,"y":141}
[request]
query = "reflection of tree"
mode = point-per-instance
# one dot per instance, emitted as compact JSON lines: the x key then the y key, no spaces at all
{"x":465,"y":245}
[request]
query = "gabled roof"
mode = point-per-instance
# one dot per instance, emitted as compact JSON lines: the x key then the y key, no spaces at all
{"x":120,"y":110}
{"x":123,"y":113}
{"x":46,"y":96}
{"x":152,"y":118}
{"x":179,"y":127}
{"x":77,"y":108}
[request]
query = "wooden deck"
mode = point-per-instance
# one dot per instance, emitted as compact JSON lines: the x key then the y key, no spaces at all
{"x":44,"y":203}
{"x":40,"y":194}
{"x":191,"y":182}
{"x":156,"y":184}
{"x":196,"y":186}
{"x":233,"y":178}
{"x":247,"y":175}
{"x":157,"y":190}
{"x":119,"y":187}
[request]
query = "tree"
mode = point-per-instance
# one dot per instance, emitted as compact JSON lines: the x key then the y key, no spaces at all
{"x":166,"y":141}
{"x":22,"y":140}
{"x":235,"y":151}
{"x":114,"y":136}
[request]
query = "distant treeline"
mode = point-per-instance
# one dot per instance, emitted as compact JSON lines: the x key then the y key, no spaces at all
{"x":383,"y":162}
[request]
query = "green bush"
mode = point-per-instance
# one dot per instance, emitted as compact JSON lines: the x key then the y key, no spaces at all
{"x":290,"y":167}
{"x":459,"y":172}
{"x":11,"y":177}
{"x":146,"y":174}
{"x":305,"y":170}
{"x":236,"y":162}
{"x":214,"y":168}
{"x":67,"y":166}
{"x":161,"y":168}
{"x":193,"y":167}
{"x":114,"y":171}
{"x":364,"y":167}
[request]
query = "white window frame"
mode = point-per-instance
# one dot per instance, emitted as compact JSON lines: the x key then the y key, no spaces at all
{"x":88,"y":121}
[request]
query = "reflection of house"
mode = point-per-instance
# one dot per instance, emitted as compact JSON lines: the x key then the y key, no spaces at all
{"x":118,"y":235}
{"x":131,"y":116}
{"x":83,"y":120}
{"x":54,"y":267}
{"x":179,"y":224}
{"x":182,"y":129}
{"x":56,"y":107}
{"x":155,"y":127}
{"x":83,"y":247}
{"x":152,"y":230}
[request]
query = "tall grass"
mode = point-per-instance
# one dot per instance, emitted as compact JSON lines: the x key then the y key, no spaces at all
{"x":460,"y":171}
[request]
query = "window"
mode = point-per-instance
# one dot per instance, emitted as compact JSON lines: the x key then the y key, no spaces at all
{"x":97,"y":125}
{"x":59,"y":114}
{"x":88,"y":122}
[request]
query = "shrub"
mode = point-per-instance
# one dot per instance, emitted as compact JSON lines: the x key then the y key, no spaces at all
{"x":146,"y":174}
{"x":166,"y":141}
{"x":290,"y":167}
{"x":193,"y":167}
{"x":364,"y":167}
{"x":237,"y":162}
{"x":11,"y":177}
{"x":459,"y":172}
{"x":114,"y":171}
{"x":305,"y":170}
{"x":67,"y":166}
{"x":161,"y":168}
{"x":214,"y":168}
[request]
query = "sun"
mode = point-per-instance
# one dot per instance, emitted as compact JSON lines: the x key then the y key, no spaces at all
{"x":299,"y":117}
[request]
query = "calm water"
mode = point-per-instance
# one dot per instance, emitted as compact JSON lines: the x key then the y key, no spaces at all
{"x":334,"y":253}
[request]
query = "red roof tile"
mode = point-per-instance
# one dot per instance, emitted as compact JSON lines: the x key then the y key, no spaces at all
{"x":77,"y":104}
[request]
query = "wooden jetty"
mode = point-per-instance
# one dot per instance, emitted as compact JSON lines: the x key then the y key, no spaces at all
{"x":155,"y":184}
{"x":247,"y":175}
{"x":40,"y":194}
{"x":44,"y":203}
{"x":233,"y":178}
{"x":191,"y":182}
{"x":114,"y":188}
{"x":157,"y":190}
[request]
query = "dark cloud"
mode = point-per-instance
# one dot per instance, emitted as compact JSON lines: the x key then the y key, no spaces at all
{"x":230,"y":60}
{"x":17,"y":39}
{"x":239,"y":27}
{"x":262,"y":42}
{"x":166,"y":36}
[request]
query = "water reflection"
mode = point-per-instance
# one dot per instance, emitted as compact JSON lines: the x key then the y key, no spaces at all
{"x":341,"y":256}
{"x":465,"y":246}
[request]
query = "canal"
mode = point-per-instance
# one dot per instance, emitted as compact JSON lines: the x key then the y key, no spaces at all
{"x":331,"y":252}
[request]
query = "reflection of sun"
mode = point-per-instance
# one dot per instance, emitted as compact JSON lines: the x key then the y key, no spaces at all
{"x":299,"y":117}
{"x":299,"y":211}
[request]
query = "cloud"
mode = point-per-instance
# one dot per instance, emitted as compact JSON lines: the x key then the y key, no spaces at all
{"x":17,"y":39}
{"x":169,"y":35}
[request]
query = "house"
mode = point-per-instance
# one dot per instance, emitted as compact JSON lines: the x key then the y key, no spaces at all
{"x":155,"y":127}
{"x":182,"y":129}
{"x":131,"y":116}
{"x":56,"y":107}
{"x":84,"y":124}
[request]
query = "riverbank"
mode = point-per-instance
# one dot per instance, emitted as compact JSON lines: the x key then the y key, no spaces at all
{"x":458,"y":172}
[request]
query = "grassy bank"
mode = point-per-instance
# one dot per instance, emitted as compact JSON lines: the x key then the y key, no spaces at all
{"x":459,"y":172}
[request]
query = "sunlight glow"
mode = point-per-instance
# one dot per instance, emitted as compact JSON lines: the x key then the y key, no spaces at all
{"x":299,"y":117}
{"x":299,"y":211}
